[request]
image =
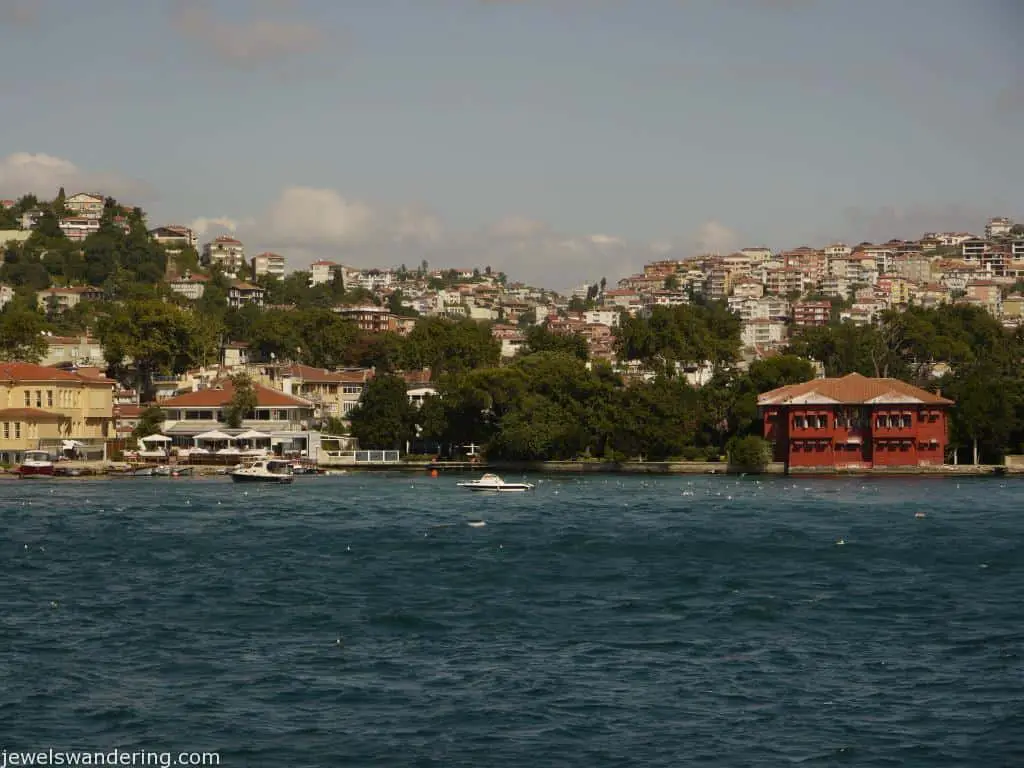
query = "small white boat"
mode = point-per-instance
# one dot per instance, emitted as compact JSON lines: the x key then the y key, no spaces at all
{"x":264,"y":471}
{"x":36,"y":464}
{"x":495,"y":484}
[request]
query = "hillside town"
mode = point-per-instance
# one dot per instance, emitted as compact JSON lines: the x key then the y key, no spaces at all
{"x":68,"y":262}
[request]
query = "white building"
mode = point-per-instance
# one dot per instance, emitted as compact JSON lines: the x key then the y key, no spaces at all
{"x":998,"y":226}
{"x":190,"y":286}
{"x":81,"y":350}
{"x":225,"y":252}
{"x":322,"y":272}
{"x":763,"y":333}
{"x":271,"y":264}
{"x":6,"y":294}
{"x":174,"y":236}
{"x":84,"y":204}
{"x":79,"y":227}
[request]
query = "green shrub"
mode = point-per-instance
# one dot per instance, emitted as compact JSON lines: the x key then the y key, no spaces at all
{"x":748,"y":454}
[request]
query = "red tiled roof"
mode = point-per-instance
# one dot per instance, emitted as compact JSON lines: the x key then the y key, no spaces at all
{"x":28,"y":414}
{"x":852,"y":389}
{"x":221,"y":395}
{"x":321,"y":375}
{"x":12,"y":372}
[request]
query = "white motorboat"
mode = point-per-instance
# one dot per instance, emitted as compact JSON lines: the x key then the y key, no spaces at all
{"x":495,"y":484}
{"x":36,"y":464}
{"x":264,"y":471}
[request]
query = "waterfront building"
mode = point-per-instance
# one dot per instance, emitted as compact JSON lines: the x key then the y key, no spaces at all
{"x":284,"y":418}
{"x":44,"y":408}
{"x":855,"y":422}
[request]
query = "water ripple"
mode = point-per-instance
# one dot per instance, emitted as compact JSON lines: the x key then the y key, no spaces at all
{"x":599,"y":621}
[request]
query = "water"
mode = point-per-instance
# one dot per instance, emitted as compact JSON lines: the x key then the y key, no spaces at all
{"x":604,"y":621}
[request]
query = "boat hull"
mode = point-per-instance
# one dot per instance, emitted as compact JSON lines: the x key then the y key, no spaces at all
{"x":38,"y":472}
{"x":281,"y":480}
{"x":509,"y":488}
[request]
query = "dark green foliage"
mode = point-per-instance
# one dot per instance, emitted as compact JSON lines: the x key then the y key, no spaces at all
{"x":540,"y":339}
{"x":384,"y":418}
{"x":687,"y":334}
{"x":151,"y":421}
{"x":243,"y":400}
{"x":748,"y":454}
{"x":21,"y":328}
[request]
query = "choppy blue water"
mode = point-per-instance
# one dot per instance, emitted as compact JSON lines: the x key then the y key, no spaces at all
{"x":603,"y":621}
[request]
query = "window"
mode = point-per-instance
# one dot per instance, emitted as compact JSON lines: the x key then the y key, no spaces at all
{"x":49,"y":398}
{"x":28,"y":399}
{"x":17,"y":430}
{"x":881,"y":422}
{"x":7,"y":430}
{"x":39,"y":398}
{"x":351,"y":389}
{"x":907,"y":420}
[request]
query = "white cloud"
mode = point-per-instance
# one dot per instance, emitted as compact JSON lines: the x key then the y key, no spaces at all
{"x":715,"y":237}
{"x":311,"y":218}
{"x":42,"y":175}
{"x":246,"y":42}
{"x":305,"y":223}
{"x":219,"y":224}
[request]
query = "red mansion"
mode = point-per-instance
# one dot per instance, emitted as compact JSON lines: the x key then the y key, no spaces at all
{"x":854,"y":423}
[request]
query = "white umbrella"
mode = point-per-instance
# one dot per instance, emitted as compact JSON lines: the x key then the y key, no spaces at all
{"x":214,"y":435}
{"x":252,"y":434}
{"x":155,"y":439}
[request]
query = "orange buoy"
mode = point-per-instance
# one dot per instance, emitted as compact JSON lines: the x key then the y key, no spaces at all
{"x":433,"y":473}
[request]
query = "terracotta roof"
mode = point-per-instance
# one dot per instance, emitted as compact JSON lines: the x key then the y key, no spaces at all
{"x":93,"y":374}
{"x":222,"y":393}
{"x":322,"y":375}
{"x":852,"y":389}
{"x":11,"y":372}
{"x":28,"y":414}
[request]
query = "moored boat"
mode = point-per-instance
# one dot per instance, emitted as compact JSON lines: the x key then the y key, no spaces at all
{"x":264,"y":471}
{"x":36,"y":464}
{"x":493,"y":483}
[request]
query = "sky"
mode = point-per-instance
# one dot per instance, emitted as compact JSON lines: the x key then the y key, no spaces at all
{"x":558,"y":140}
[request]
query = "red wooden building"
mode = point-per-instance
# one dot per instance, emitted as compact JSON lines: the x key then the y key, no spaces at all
{"x":855,"y":422}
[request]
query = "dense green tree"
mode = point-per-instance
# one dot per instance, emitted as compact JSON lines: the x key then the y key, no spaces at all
{"x":157,"y":337}
{"x":21,"y":333}
{"x":778,"y":371}
{"x":749,"y":454}
{"x":450,"y":346}
{"x":687,"y":334}
{"x":539,"y":338}
{"x":243,"y":400}
{"x":384,"y":418}
{"x":151,"y":422}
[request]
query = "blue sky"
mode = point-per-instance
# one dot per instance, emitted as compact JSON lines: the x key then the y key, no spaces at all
{"x":560,"y":140}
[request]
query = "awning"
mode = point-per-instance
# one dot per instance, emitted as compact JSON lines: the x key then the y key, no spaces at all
{"x":934,"y":441}
{"x":214,"y":435}
{"x":853,"y":440}
{"x":70,"y":445}
{"x":155,"y":439}
{"x":252,"y":434}
{"x":228,"y":452}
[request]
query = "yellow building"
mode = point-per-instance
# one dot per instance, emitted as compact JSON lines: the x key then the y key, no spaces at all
{"x":46,"y":408}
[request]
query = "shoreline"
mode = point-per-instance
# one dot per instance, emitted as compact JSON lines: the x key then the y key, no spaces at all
{"x":115,"y":470}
